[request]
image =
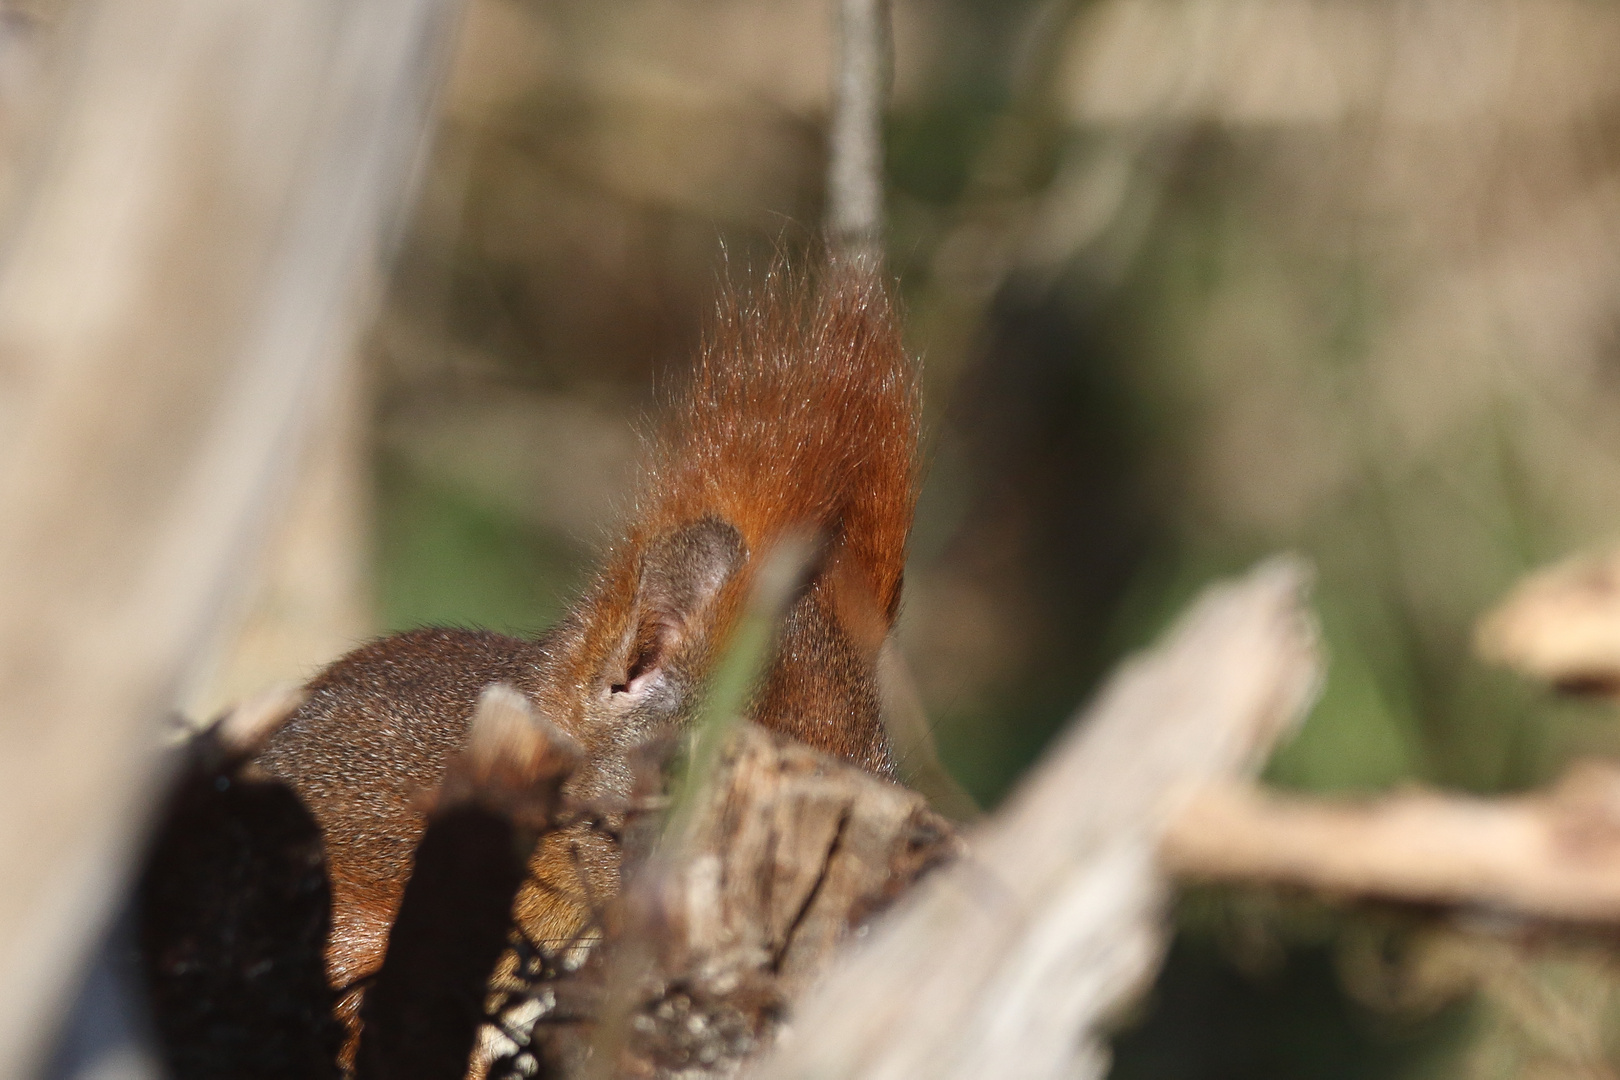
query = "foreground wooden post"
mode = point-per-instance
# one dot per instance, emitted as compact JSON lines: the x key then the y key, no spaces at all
{"x":195,"y":254}
{"x":1009,"y":963}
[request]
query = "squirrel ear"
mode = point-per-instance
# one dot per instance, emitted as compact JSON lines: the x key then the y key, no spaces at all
{"x":681,"y":574}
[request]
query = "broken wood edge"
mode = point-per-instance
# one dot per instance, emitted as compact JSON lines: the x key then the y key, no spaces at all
{"x":1013,"y":961}
{"x":1560,"y":625}
{"x":248,"y":725}
{"x":1552,"y":855}
{"x":784,"y":854}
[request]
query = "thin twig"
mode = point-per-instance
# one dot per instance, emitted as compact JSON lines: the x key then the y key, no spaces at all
{"x":915,"y":752}
{"x":855,"y":138}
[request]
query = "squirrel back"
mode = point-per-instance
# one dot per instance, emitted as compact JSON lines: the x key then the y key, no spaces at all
{"x":800,"y":416}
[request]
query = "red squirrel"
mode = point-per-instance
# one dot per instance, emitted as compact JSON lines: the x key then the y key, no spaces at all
{"x":800,"y":414}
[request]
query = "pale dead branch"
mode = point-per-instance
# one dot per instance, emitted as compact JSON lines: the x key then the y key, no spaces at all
{"x":195,"y":252}
{"x":1010,"y":962}
{"x":1552,"y":855}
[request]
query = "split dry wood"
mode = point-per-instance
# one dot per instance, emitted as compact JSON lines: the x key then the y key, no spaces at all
{"x":1009,"y":962}
{"x":194,"y":253}
{"x":786,"y":852}
{"x":1552,"y":855}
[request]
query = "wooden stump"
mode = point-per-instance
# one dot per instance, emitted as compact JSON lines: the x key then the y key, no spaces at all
{"x":787,"y":854}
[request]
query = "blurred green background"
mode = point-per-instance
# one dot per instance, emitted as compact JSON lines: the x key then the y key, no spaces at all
{"x":1194,"y":281}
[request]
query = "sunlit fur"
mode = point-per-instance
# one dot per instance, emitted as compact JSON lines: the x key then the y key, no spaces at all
{"x":800,"y":415}
{"x":801,"y":410}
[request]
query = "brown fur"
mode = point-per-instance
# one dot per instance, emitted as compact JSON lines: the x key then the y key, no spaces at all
{"x":800,"y":415}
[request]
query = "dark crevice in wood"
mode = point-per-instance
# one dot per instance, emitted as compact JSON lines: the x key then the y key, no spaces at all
{"x":828,"y":859}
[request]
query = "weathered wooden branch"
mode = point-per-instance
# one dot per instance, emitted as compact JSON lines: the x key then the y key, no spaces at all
{"x":1010,"y":962}
{"x":196,"y":248}
{"x":1553,"y":855}
{"x":1561,"y":624}
{"x":786,"y":853}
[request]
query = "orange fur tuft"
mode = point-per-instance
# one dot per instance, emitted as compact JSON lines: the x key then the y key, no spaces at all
{"x":801,"y":413}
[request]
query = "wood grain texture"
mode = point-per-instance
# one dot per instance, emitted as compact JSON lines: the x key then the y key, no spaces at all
{"x":786,"y":854}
